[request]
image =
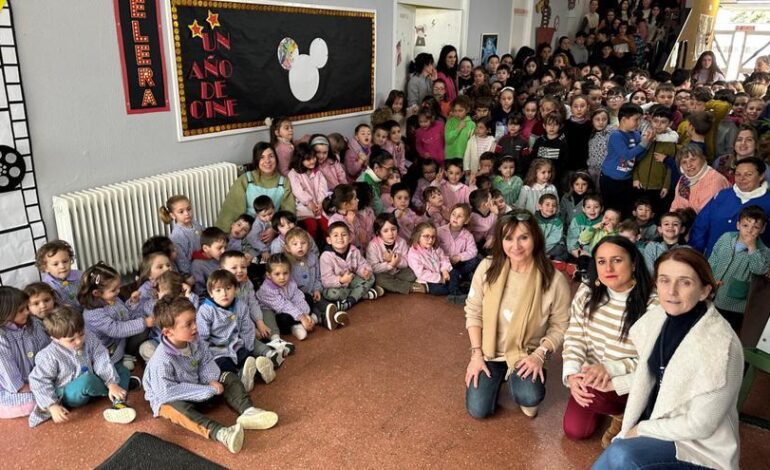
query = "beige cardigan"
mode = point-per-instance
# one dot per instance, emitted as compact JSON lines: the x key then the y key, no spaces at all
{"x":696,"y":404}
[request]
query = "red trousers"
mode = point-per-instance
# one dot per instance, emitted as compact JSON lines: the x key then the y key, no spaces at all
{"x":317,"y":228}
{"x":581,"y":423}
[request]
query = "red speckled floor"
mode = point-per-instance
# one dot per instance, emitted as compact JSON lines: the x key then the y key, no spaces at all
{"x":386,"y":392}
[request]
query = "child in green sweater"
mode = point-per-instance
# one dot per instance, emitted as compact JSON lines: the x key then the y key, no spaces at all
{"x":735,"y":257}
{"x":506,"y":181}
{"x":670,"y":231}
{"x":552,"y":227}
{"x":608,"y":226}
{"x":459,"y":128}
{"x":590,"y":215}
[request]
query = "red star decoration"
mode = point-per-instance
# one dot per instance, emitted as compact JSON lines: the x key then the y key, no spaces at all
{"x":213,"y":19}
{"x":196,"y":29}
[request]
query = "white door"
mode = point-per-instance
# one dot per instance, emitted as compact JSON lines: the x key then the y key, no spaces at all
{"x":404,"y":44}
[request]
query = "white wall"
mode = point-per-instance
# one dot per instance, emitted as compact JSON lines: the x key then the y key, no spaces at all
{"x":442,"y":27}
{"x":81,"y":134}
{"x":489,"y":16}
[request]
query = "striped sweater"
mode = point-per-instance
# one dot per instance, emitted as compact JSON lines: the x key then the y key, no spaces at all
{"x":597,"y":341}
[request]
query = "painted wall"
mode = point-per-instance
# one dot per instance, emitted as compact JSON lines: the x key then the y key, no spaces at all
{"x":73,"y":83}
{"x":489,"y":16}
{"x":440,"y":27}
{"x":563,"y":20}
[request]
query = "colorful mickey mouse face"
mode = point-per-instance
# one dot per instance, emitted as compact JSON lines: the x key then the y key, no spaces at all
{"x":303,"y":68}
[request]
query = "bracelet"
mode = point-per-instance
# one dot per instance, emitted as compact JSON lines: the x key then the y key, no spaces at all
{"x":472,"y":348}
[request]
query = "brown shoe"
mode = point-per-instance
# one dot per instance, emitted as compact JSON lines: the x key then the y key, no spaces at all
{"x":612,"y":431}
{"x":419,"y":288}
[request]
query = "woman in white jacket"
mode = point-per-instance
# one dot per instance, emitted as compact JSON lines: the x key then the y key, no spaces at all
{"x":681,"y":410}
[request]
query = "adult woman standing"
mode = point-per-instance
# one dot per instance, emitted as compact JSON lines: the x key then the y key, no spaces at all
{"x":420,"y":82}
{"x":446,"y":70}
{"x":745,"y":146}
{"x":516,"y":314}
{"x":699,"y":182}
{"x":263,"y":180}
{"x":681,"y":409}
{"x":599,"y":358}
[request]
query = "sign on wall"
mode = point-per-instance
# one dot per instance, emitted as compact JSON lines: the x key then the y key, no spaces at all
{"x":239,"y":63}
{"x":141,"y":55}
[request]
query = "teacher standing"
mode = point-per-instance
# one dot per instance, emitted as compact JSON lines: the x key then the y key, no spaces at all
{"x":516,"y":315}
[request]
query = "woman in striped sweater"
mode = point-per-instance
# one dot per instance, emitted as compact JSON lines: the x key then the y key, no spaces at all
{"x":599,"y":358}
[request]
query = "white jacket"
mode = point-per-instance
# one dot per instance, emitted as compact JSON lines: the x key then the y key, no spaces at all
{"x":696,"y":404}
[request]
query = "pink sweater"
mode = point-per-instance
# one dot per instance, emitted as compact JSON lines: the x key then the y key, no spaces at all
{"x":406,"y":223}
{"x":358,"y":230}
{"x":480,"y":226}
{"x":333,"y":266}
{"x":435,"y":216}
{"x":334,"y":173}
{"x":353,"y":167}
{"x":308,"y":187}
{"x":399,"y":155}
{"x":429,"y":142}
{"x":701,"y":193}
{"x":375,"y":255}
{"x":284,"y":152}
{"x":427,"y":264}
{"x":453,"y":194}
{"x":461,"y":244}
{"x":417,"y":201}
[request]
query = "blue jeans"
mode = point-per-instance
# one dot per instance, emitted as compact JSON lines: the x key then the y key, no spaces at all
{"x":450,"y":288}
{"x":89,"y":385}
{"x":481,"y":402}
{"x":638,"y":453}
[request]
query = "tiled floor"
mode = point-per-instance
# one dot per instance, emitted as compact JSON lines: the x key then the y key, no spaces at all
{"x":386,"y":392}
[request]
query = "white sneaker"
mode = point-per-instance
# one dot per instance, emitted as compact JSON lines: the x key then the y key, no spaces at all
{"x":299,"y":332}
{"x":529,"y":411}
{"x":276,"y":357}
{"x":256,"y":418}
{"x":231,"y":437}
{"x":341,"y":318}
{"x":329,"y":317}
{"x":119,"y":414}
{"x":315,"y":319}
{"x":248,"y":372}
{"x":146,"y":350}
{"x":129,"y":362}
{"x":265,"y":369}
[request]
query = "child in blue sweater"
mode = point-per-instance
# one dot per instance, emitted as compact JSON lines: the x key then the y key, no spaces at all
{"x":552,"y":226}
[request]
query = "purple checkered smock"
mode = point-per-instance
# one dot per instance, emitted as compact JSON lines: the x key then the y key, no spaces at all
{"x":113,"y":323}
{"x":186,"y":240}
{"x":66,"y":290}
{"x":225,"y":330}
{"x":19,"y":348}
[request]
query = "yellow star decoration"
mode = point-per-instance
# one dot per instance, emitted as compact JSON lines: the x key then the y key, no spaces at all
{"x":213,"y":19}
{"x":196,"y":29}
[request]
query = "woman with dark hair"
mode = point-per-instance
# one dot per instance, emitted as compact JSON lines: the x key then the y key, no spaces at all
{"x":447,"y":70}
{"x":744,"y":146}
{"x":543,"y":54}
{"x":516,"y":314}
{"x":706,"y":70}
{"x":681,"y":408}
{"x":420,"y":82}
{"x":522,"y":55}
{"x":599,"y":358}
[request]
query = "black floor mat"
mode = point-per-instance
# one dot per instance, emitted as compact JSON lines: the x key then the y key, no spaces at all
{"x":143,"y":450}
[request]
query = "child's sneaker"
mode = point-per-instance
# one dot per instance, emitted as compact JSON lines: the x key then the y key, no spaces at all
{"x":248,"y":372}
{"x":329,"y":321}
{"x":315,"y":319}
{"x":265,"y":369}
{"x":299,"y":332}
{"x":371,"y":294}
{"x":276,"y":357}
{"x":256,"y":418}
{"x":129,"y":362}
{"x":343,"y":305}
{"x":341,"y":318}
{"x":419,"y":288}
{"x":134,"y":383}
{"x":284,"y":347}
{"x":379,"y":290}
{"x":231,"y":437}
{"x":119,"y":413}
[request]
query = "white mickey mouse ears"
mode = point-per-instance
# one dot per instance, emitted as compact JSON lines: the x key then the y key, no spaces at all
{"x":319,"y":53}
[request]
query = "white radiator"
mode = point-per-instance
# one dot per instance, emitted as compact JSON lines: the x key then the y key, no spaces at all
{"x":110,"y":223}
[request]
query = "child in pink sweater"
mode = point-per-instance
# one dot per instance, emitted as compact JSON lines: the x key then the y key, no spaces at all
{"x":359,"y":149}
{"x":429,"y":137}
{"x":328,"y":163}
{"x":406,"y":217}
{"x":449,"y":183}
{"x":280,"y":294}
{"x":431,"y":265}
{"x":342,"y":204}
{"x":281,"y":135}
{"x":483,"y":217}
{"x":458,"y":243}
{"x":429,"y":172}
{"x":387,"y":255}
{"x":435,"y":210}
{"x":346,"y":276}
{"x":395,"y":145}
{"x":309,"y":187}
{"x":385,"y":197}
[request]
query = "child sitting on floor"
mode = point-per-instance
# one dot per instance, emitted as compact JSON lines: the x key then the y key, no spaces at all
{"x":386,"y":254}
{"x":213,"y":244}
{"x":54,"y":260}
{"x":458,"y":243}
{"x":183,"y":374}
{"x":431,"y":265}
{"x":552,"y":227}
{"x":644,"y":217}
{"x":257,"y":238}
{"x":429,"y":172}
{"x":186,"y":232}
{"x":483,"y":218}
{"x":42,"y":299}
{"x":538,"y":182}
{"x":71,"y":370}
{"x":506,"y":181}
{"x":406,"y":217}
{"x":608,"y":226}
{"x":238,"y":236}
{"x":670,"y":233}
{"x":343,"y":204}
{"x":435,"y":211}
{"x":448,"y":181}
{"x":590,"y":215}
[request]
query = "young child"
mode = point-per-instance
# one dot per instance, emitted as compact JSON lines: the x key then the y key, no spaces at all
{"x":512,"y":143}
{"x":429,"y":172}
{"x":459,"y":129}
{"x":54,"y":260}
{"x":343,"y":204}
{"x":439,"y":93}
{"x":281,"y":136}
{"x":698,"y":125}
{"x":225,"y":326}
{"x":381,"y":164}
{"x":379,"y":135}
{"x":237,"y":238}
{"x":42,"y":299}
{"x":213,"y":244}
{"x":630,"y":230}
{"x":552,"y":227}
{"x":597,"y":143}
{"x":74,"y":368}
{"x":480,"y":142}
{"x":431,"y":265}
{"x":309,"y":187}
{"x":735,"y":258}
{"x":395,"y":146}
{"x":483,"y":217}
{"x":537,"y":183}
{"x":345,"y":274}
{"x":328,"y":162}
{"x":499,"y":202}
{"x":652,"y":178}
{"x":429,"y":137}
{"x":256,"y":239}
{"x":386,"y":254}
{"x":153,"y":266}
{"x":608,"y":226}
{"x":670,"y":232}
{"x":577,"y":132}
{"x":486,"y":166}
{"x":458,"y":243}
{"x":589,"y":216}
{"x":644,"y":217}
{"x":553,"y":145}
{"x":504,"y":109}
{"x":435,"y":211}
{"x":185,"y":233}
{"x":571,"y":204}
{"x":183,"y":374}
{"x":359,"y":148}
{"x":306,"y":273}
{"x":282,"y":222}
{"x":21,"y":340}
{"x":121,"y":327}
{"x":448,"y":181}
{"x":406,"y":217}
{"x":385,"y":197}
{"x":506,"y":180}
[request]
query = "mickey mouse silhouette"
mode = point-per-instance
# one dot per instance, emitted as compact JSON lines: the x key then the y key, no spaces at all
{"x":303,"y":68}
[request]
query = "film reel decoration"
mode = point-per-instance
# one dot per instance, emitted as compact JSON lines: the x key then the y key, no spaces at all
{"x":12,"y":169}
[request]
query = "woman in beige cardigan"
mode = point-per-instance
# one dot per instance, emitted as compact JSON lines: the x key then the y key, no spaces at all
{"x":681,"y":410}
{"x":516,"y":315}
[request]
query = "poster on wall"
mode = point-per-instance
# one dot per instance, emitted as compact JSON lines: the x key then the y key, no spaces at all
{"x":239,"y":63}
{"x":141,"y":55}
{"x":488,"y":46}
